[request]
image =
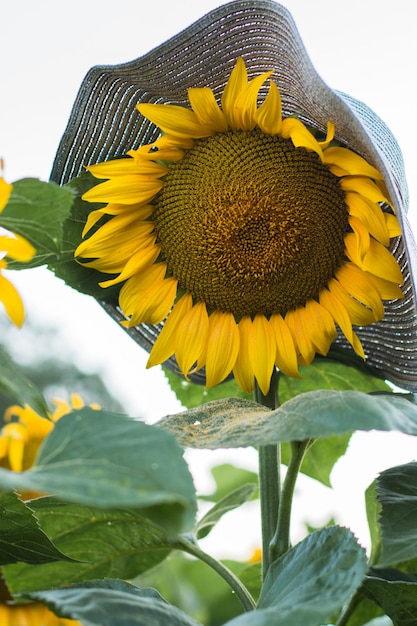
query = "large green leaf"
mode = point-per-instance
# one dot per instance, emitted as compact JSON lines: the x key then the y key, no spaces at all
{"x":235,"y":422}
{"x":228,"y":477}
{"x":373,"y":512}
{"x":397,"y":496}
{"x":395,"y":592}
{"x":311,"y":582}
{"x":106,"y":460}
{"x":18,"y":387}
{"x":98,"y":606}
{"x":37,"y":210}
{"x":113,"y":543}
{"x":21,"y":538}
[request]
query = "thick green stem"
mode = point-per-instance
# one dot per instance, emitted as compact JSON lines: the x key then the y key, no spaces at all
{"x":233,"y":581}
{"x":269,"y":478}
{"x":280,"y":543}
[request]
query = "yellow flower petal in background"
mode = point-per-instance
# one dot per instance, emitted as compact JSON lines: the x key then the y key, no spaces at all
{"x":5,"y":191}
{"x":10,"y":299}
{"x":17,"y":248}
{"x":222,"y":347}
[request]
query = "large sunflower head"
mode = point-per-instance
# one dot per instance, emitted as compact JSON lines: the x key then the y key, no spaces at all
{"x":254,"y":221}
{"x":246,"y":234}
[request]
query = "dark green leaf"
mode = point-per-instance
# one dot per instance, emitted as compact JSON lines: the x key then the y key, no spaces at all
{"x":107,"y":607}
{"x":232,"y":501}
{"x":104,"y":459}
{"x":36,"y":210}
{"x":21,"y":538}
{"x":192,"y":395}
{"x":373,"y":513}
{"x":17,"y":387}
{"x":310,"y":582}
{"x":395,"y":592}
{"x":397,"y":495}
{"x":236,"y":422}
{"x":106,"y":543}
{"x":330,"y":374}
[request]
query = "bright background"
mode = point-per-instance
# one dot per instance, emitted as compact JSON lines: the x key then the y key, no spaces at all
{"x":366,"y":48}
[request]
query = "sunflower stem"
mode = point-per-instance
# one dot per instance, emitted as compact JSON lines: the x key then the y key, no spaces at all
{"x":269,"y":478}
{"x":242,"y":593}
{"x":280,"y":542}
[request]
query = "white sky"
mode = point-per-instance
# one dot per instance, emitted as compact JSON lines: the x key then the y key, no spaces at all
{"x":366,"y":48}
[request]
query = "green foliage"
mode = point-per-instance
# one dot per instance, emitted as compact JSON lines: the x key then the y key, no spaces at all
{"x":37,"y":210}
{"x":21,"y":537}
{"x":310,"y":582}
{"x":228,"y":477}
{"x":235,"y":422}
{"x":130,"y":464}
{"x":110,"y":543}
{"x":17,"y":387}
{"x":395,"y":592}
{"x":231,"y":501}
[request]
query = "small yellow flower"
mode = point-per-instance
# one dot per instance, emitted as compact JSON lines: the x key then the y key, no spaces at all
{"x":20,"y":439}
{"x":249,"y":236}
{"x":17,"y":248}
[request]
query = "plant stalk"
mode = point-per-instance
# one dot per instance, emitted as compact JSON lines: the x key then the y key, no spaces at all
{"x":246,"y":600}
{"x":269,"y":478}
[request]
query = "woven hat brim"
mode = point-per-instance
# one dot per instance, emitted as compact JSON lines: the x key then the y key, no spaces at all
{"x":104,"y":124}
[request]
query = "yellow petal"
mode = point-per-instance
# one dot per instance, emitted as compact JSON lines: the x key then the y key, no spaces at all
{"x":269,"y":115}
{"x":348,"y":163}
{"x":329,"y":136}
{"x":238,"y":80}
{"x":246,"y":104}
{"x":5,"y":191}
{"x":386,"y":289}
{"x":243,"y":370}
{"x":128,"y":189}
{"x":370,"y":214}
{"x":262,"y":351}
{"x":122,"y":167}
{"x":17,"y":248}
{"x":286,"y":356}
{"x":357,"y":284}
{"x":393,"y":225}
{"x":141,"y":260}
{"x":175,"y":120}
{"x":341,"y":316}
{"x":312,"y":328}
{"x":12,"y":302}
{"x":378,"y":260}
{"x":222,"y":348}
{"x":148,"y":297}
{"x":363,"y":185}
{"x":164,"y":346}
{"x":207,"y":110}
{"x":301,"y":137}
{"x":191,"y":337}
{"x":359,"y":314}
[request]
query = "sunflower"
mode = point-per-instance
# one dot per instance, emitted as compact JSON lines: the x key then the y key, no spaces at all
{"x":249,"y":235}
{"x":20,"y":439}
{"x":17,"y":248}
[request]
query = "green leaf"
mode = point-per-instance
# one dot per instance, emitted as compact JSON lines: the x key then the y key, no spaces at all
{"x":235,"y":422}
{"x":192,"y":395}
{"x":373,"y":513}
{"x":36,"y":210}
{"x":107,"y":460}
{"x":17,"y":387}
{"x":112,"y":543}
{"x":108,"y":607}
{"x":397,"y":495}
{"x":311,"y":582}
{"x":21,"y":538}
{"x":329,"y":373}
{"x":395,"y":592}
{"x":230,"y":502}
{"x":228,"y":477}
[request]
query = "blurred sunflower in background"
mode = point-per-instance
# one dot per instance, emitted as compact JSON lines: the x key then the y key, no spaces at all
{"x":251,"y":236}
{"x":17,"y":248}
{"x":20,"y":439}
